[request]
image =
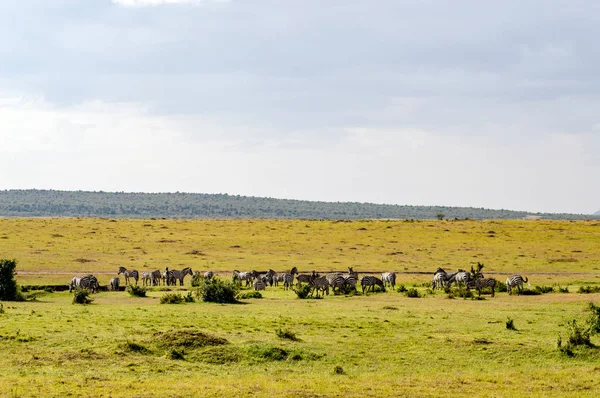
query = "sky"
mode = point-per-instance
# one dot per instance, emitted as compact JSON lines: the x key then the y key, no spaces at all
{"x":410,"y":102}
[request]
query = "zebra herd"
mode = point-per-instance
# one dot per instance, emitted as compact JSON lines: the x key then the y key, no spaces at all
{"x":444,"y":280}
{"x":337,"y":282}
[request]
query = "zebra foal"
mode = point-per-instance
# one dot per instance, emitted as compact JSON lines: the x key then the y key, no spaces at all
{"x":515,"y":281}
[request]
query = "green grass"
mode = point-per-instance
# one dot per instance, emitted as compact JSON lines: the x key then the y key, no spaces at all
{"x":383,"y":344}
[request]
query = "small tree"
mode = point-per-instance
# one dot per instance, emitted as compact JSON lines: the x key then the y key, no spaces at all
{"x":8,"y":286}
{"x":440,"y":216}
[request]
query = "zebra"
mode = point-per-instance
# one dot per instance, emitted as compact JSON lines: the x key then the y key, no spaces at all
{"x":287,"y":279}
{"x":278,"y":278}
{"x":389,"y":277}
{"x":129,"y":274}
{"x":165,"y":277}
{"x":481,"y":283}
{"x":114,"y":284}
{"x":466,"y":278}
{"x":318,"y":283}
{"x":243,"y":276}
{"x":440,"y":279}
{"x":146,"y":278}
{"x":368,"y":281}
{"x":174,"y":275}
{"x":259,"y":284}
{"x":336,"y":280}
{"x":304,"y":278}
{"x":208,"y":274}
{"x":155,"y":277}
{"x":350,"y":281}
{"x":515,"y":281}
{"x":84,"y":282}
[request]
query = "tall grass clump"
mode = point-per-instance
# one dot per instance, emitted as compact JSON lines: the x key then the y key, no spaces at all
{"x":588,"y":289}
{"x":401,"y":289}
{"x":81,"y":296}
{"x":249,"y":295}
{"x":412,"y":293}
{"x":215,"y":290}
{"x":302,"y":291}
{"x":286,"y":334}
{"x":510,"y":324}
{"x":136,"y":291}
{"x":171,"y":298}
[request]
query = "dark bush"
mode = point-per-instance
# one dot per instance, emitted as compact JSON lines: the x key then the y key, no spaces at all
{"x":594,"y":319}
{"x":197,"y":278}
{"x":189,"y":298}
{"x":302,"y":291}
{"x":563,"y":289}
{"x":500,"y":287}
{"x":588,"y":289}
{"x":136,"y":291}
{"x":81,"y":296}
{"x":510,"y":324}
{"x":214,"y":290}
{"x":412,"y":293}
{"x":401,"y":289}
{"x":286,"y":334}
{"x":9,"y":290}
{"x":530,"y":292}
{"x":544,"y":289}
{"x":171,"y":298}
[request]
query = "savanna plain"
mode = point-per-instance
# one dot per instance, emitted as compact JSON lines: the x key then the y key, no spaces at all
{"x":376,"y":344}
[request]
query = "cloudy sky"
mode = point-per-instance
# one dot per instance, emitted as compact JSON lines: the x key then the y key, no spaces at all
{"x":490,"y":104}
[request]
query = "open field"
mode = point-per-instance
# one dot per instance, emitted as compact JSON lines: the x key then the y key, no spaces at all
{"x":383,"y":344}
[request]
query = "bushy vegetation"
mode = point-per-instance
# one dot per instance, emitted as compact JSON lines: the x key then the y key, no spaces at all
{"x":302,"y":291}
{"x":286,"y":334}
{"x":500,"y":287}
{"x":588,"y":289}
{"x":412,"y":293}
{"x":176,"y":298}
{"x":214,"y":290}
{"x":9,"y":291}
{"x":254,"y":294}
{"x":401,"y":289}
{"x":510,"y":324}
{"x":81,"y":296}
{"x":136,"y":291}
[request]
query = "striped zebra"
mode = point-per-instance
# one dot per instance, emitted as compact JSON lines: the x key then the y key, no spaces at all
{"x":287,"y":279}
{"x":146,"y":278}
{"x":208,"y":275}
{"x":350,"y":282}
{"x":176,"y":275}
{"x":318,"y":283}
{"x":336,"y":281}
{"x":88,"y":282}
{"x":129,"y":274}
{"x":304,"y":278}
{"x":515,"y":281}
{"x":482,"y":283}
{"x":439,"y":279}
{"x":278,"y":278}
{"x":243,"y":276}
{"x":368,"y":281}
{"x":389,"y":277}
{"x":114,"y":284}
{"x":259,"y":284}
{"x":164,"y":276}
{"x":155,"y":277}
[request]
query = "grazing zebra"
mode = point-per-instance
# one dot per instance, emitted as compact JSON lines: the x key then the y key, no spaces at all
{"x":88,"y":282}
{"x":350,"y":281}
{"x":146,"y":278}
{"x":440,"y":278}
{"x":165,"y":277}
{"x":465,"y":277}
{"x":114,"y":284}
{"x":515,"y":281}
{"x":368,"y":281}
{"x":174,"y":275}
{"x":259,"y":284}
{"x":481,"y":283}
{"x":155,"y":277}
{"x":129,"y":274}
{"x":389,"y":277}
{"x":278,"y":278}
{"x":304,"y":278}
{"x":243,"y":276}
{"x":208,"y":275}
{"x":336,"y":280}
{"x":287,"y":279}
{"x":318,"y":283}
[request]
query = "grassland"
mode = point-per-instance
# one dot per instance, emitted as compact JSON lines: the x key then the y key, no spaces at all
{"x":383,"y":344}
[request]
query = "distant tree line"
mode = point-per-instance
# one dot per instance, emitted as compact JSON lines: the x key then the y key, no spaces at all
{"x":51,"y":203}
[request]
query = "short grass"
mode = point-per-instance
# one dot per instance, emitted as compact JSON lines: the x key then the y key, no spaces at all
{"x":383,"y":344}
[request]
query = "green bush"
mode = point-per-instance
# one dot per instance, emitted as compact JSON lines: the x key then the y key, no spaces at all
{"x":171,"y":298}
{"x":9,"y":290}
{"x":588,"y":289}
{"x":501,"y":287}
{"x":136,"y":291}
{"x":189,"y":298}
{"x":563,"y":289}
{"x":594,"y":319}
{"x":510,"y":324}
{"x":302,"y":291}
{"x":286,"y":334}
{"x":249,"y":295}
{"x":544,"y":289}
{"x":412,"y":293}
{"x":401,"y":289}
{"x":215,"y":290}
{"x":197,"y":278}
{"x":81,"y":296}
{"x":576,"y":336}
{"x":531,"y":292}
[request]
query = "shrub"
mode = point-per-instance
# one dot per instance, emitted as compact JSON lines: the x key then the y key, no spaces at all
{"x":189,"y":298}
{"x":171,"y":298}
{"x":249,"y":295}
{"x":401,"y":289}
{"x":8,"y":286}
{"x":510,"y":324}
{"x":594,"y":319}
{"x":530,"y":292}
{"x":500,"y":287}
{"x":302,"y":291}
{"x":197,"y":278}
{"x":286,"y":334}
{"x":544,"y":289}
{"x":563,"y":289}
{"x":576,"y":336}
{"x":588,"y":289}
{"x":214,"y":290}
{"x":338,"y":370}
{"x":80,"y":296}
{"x":412,"y":293}
{"x":136,"y":291}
